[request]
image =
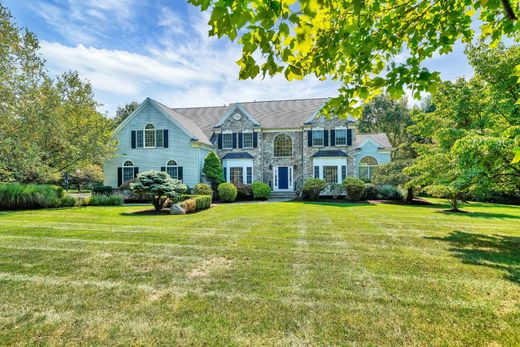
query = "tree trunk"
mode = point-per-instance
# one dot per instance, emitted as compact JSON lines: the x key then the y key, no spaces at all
{"x":454,"y":204}
{"x":157,"y":203}
{"x":409,"y":195}
{"x":509,"y":9}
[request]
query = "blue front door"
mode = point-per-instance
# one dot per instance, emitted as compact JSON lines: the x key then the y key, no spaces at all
{"x":283,"y":177}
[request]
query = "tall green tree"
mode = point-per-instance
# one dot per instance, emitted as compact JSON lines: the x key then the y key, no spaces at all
{"x":47,"y":126}
{"x":124,"y":111}
{"x":357,"y":42}
{"x":213,"y":171}
{"x":386,"y":115}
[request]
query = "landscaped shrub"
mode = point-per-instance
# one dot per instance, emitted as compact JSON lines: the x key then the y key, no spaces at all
{"x":261,"y":190}
{"x":244,"y":192}
{"x":313,"y":187}
{"x":16,"y":196}
{"x":104,"y":200}
{"x":227,"y":192}
{"x":354,"y":188}
{"x":371,"y":191}
{"x":60,"y":192}
{"x":189,"y":205}
{"x":67,"y":201}
{"x":336,"y":190}
{"x":160,"y":186}
{"x":202,"y":189}
{"x":103,"y":190}
{"x":389,"y":192}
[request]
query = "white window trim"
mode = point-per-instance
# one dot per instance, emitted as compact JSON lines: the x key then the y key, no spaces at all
{"x":227,"y":132}
{"x":346,"y":136}
{"x":252,"y":139}
{"x":127,"y":167}
{"x":154,"y":136}
{"x":321,"y":162}
{"x":227,"y":164}
{"x":292,"y":146}
{"x":323,"y":137}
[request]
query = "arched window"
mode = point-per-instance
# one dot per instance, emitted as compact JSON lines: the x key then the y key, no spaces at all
{"x":282,"y":146}
{"x":149,"y":136}
{"x":367,"y":167}
{"x":174,"y":170}
{"x":128,"y":171}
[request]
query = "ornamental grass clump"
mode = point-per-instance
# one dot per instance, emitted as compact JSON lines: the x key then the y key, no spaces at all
{"x":16,"y":196}
{"x":160,"y":186}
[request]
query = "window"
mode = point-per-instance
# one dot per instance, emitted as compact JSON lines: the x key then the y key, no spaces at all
{"x":172,"y":169}
{"x":367,"y":167}
{"x":282,"y":146}
{"x":330,"y":174}
{"x":159,"y":137}
{"x":317,"y":138}
{"x":316,"y":172}
{"x":236,"y":175}
{"x":341,"y":137}
{"x":343,"y":172}
{"x":128,"y":171}
{"x":149,"y":136}
{"x":227,"y":140}
{"x":247,"y":139}
{"x":139,"y":138}
{"x":249,"y":175}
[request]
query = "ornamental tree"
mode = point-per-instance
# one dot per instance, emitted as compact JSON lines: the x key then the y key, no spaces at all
{"x":160,"y":186}
{"x":213,"y":171}
{"x":369,"y":46}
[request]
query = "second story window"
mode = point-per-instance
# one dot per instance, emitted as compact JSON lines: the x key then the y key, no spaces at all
{"x":341,"y":137}
{"x":318,"y":138}
{"x":282,"y":146}
{"x":149,"y":136}
{"x":247,"y":139}
{"x":227,"y":140}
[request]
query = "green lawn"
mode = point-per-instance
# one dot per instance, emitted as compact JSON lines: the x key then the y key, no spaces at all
{"x":262,"y":274}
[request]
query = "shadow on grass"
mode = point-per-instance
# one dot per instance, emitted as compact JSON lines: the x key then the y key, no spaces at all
{"x":494,"y":251}
{"x":336,"y":203}
{"x":149,"y":212}
{"x":486,"y":215}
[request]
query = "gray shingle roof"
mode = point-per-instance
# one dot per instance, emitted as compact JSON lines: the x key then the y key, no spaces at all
{"x":238,"y":155}
{"x":270,"y":114}
{"x":381,"y":139}
{"x":329,"y":153}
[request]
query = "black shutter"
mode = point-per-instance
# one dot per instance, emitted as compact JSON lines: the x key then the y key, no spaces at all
{"x":136,"y":171}
{"x":179,"y":173}
{"x":255,"y":140}
{"x":219,"y":141}
{"x":333,"y":137}
{"x":309,"y":138}
{"x":234,"y":140}
{"x":119,"y":176}
{"x":325,"y":138}
{"x":349,"y":137}
{"x":163,"y":168}
{"x":133,"y":138}
{"x":240,"y":139}
{"x":165,"y":138}
{"x":140,"y":138}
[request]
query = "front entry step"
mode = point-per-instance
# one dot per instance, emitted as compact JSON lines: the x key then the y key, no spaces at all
{"x":283,"y":195}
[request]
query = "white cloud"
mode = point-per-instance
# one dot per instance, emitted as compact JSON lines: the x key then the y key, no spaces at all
{"x":84,"y":21}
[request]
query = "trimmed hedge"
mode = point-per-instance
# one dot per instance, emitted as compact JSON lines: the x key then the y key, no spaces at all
{"x":354,"y":188}
{"x":227,"y":192}
{"x":202,"y":189}
{"x":312,"y":188}
{"x":102,"y":190}
{"x":16,"y":196}
{"x":104,"y":200}
{"x":261,"y":190}
{"x":195,"y":203}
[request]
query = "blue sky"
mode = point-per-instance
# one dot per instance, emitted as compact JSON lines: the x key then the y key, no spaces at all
{"x":132,"y":49}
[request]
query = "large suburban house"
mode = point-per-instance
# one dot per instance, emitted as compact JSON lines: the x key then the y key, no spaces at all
{"x":279,"y":142}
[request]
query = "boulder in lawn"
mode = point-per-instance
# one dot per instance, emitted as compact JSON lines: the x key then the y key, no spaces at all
{"x":176,"y":209}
